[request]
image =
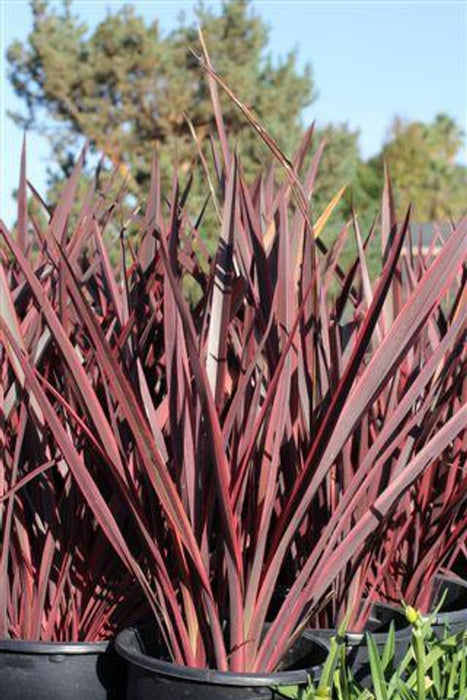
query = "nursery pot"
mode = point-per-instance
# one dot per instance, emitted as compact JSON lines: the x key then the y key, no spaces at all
{"x":378,"y":625}
{"x":453,"y":616}
{"x":66,"y":671}
{"x":151,"y":676}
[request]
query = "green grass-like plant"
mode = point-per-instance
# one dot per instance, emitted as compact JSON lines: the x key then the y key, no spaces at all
{"x":432,"y":668}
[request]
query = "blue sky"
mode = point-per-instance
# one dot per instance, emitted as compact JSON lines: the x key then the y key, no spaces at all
{"x":371,"y":61}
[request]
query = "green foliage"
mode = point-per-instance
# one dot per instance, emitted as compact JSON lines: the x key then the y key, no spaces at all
{"x":339,"y":163}
{"x":422,"y":160}
{"x":126,"y":87}
{"x":432,"y":669}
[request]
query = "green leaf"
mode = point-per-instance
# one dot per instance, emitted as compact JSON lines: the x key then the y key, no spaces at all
{"x":436,"y":674}
{"x":453,"y":677}
{"x":342,"y":675}
{"x":377,"y":674}
{"x":463,"y":670}
{"x":389,"y":648}
{"x":288,"y":691}
{"x":330,"y":665}
{"x":402,"y":690}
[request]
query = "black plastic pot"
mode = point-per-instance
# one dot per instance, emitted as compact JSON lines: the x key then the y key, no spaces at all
{"x":66,"y":671}
{"x":453,"y":616}
{"x":378,"y":624}
{"x":150,"y":676}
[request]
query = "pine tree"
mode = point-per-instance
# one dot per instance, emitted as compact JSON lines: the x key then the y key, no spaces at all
{"x":126,"y":87}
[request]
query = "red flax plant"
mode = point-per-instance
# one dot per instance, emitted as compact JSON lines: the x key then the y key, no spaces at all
{"x":430,"y":520}
{"x":58,"y":579}
{"x":268,"y":438}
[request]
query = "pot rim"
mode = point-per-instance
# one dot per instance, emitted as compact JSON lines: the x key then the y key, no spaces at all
{"x":353,"y":638}
{"x":356,"y":638}
{"x":211,"y":676}
{"x":24,"y":646}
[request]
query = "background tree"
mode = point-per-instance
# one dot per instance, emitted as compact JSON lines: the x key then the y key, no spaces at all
{"x":126,"y":87}
{"x":422,"y":161}
{"x":341,"y":164}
